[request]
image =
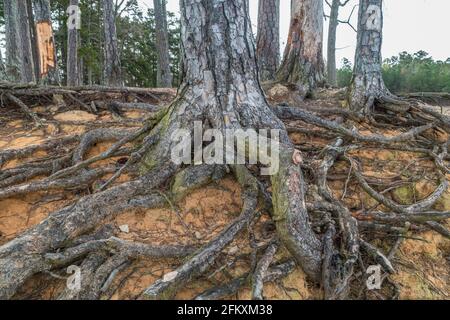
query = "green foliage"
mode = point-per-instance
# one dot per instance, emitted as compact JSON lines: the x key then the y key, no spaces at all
{"x":136,"y":40}
{"x":416,"y":72}
{"x":407,"y":72}
{"x":344,"y":74}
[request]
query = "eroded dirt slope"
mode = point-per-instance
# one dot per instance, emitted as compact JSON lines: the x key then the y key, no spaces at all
{"x":422,"y":259}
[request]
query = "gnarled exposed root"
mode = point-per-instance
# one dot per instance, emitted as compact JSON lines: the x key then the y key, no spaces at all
{"x":28,"y":254}
{"x":261,"y":271}
{"x":291,"y":217}
{"x":167,"y":287}
{"x":80,"y":181}
{"x":274,"y":273}
{"x":24,"y":108}
{"x":323,"y":238}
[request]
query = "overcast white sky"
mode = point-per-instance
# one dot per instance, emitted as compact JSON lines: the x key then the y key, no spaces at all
{"x":409,"y":25}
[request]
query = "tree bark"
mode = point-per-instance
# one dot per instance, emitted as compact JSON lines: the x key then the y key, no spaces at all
{"x":303,"y":60}
{"x":268,"y":38}
{"x":27,"y":65}
{"x":73,"y":75}
{"x":164,"y":75}
{"x":367,"y":84}
{"x":221,"y":89}
{"x":331,"y":50}
{"x":33,"y":35}
{"x":2,"y":68}
{"x":48,"y":70}
{"x":13,"y":55}
{"x":221,"y":85}
{"x":111,"y":66}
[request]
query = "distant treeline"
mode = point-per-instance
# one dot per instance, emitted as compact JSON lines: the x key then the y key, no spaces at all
{"x":407,"y":72}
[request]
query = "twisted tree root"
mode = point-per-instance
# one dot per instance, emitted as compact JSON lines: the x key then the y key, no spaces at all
{"x":273,"y":273}
{"x":261,"y":271}
{"x":167,"y":287}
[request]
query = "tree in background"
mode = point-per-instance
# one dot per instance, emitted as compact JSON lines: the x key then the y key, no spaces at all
{"x":111,"y":65}
{"x":13,"y":50}
{"x":406,"y":73}
{"x":332,"y":30}
{"x":268,"y":38}
{"x":344,"y":74}
{"x":73,"y":72}
{"x":2,"y":68}
{"x":33,"y":40}
{"x":416,"y":72}
{"x":136,"y":43}
{"x":27,"y":62}
{"x":303,"y":62}
{"x":164,"y":75}
{"x":367,"y":85}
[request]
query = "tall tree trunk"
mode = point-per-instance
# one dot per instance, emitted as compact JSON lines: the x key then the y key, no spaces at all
{"x":367,"y":84}
{"x":164,"y":75}
{"x":111,"y":67}
{"x":13,"y":51}
{"x":48,"y":67}
{"x":303,"y":58}
{"x":331,"y":50}
{"x":268,"y":38}
{"x":27,"y":65}
{"x":73,"y":76}
{"x":33,"y":34}
{"x":221,"y":84}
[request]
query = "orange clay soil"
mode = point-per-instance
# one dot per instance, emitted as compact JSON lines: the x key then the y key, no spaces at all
{"x":423,"y":267}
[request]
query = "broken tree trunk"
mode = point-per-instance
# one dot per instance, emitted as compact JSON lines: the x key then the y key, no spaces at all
{"x":48,"y":71}
{"x":164,"y":75}
{"x":268,"y":38}
{"x":303,"y":63}
{"x":111,"y":66}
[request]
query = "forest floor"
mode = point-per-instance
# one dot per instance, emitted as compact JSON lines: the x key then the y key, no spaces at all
{"x":422,"y":261}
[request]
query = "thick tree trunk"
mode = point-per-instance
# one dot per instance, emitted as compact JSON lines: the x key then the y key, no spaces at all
{"x":13,"y":51}
{"x":268,"y":38}
{"x":164,"y":75}
{"x":367,"y":84}
{"x":221,"y":85}
{"x":331,"y":50}
{"x":27,"y":65}
{"x":111,"y":66}
{"x":73,"y":76}
{"x":48,"y":70}
{"x":303,"y":58}
{"x":221,"y":89}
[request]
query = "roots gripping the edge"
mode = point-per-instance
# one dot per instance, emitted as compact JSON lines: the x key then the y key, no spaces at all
{"x":220,"y":90}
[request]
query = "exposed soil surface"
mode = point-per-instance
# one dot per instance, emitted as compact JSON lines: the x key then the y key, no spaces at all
{"x":423,"y":259}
